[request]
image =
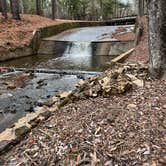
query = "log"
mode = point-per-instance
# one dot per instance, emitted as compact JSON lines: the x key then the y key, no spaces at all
{"x":123,"y":56}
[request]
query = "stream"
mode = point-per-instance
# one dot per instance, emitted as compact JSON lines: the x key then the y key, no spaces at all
{"x":16,"y":103}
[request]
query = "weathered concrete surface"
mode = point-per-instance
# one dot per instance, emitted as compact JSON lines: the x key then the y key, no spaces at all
{"x":54,"y":30}
{"x":112,"y":48}
{"x":42,"y":33}
{"x":100,"y":48}
{"x":123,"y":56}
{"x":100,"y":41}
{"x":53,"y":47}
{"x":17,"y":53}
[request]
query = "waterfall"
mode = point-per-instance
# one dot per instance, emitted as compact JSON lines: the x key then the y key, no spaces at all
{"x":78,"y":53}
{"x":78,"y":50}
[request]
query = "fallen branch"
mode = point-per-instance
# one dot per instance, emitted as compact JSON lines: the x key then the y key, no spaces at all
{"x":123,"y":56}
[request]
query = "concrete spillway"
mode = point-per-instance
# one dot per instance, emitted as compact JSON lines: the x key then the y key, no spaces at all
{"x":83,"y":47}
{"x":63,"y":61}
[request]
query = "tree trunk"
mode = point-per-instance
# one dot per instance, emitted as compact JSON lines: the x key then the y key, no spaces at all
{"x":38,"y":7}
{"x":54,"y":9}
{"x":115,"y":8}
{"x":11,"y":6}
{"x":101,"y":8}
{"x":22,"y":6}
{"x":157,"y":38}
{"x":92,"y":10}
{"x":0,"y":6}
{"x":4,"y":8}
{"x":140,"y":8}
{"x":15,"y":9}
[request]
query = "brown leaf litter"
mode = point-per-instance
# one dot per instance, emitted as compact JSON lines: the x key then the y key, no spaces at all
{"x":106,"y":130}
{"x":14,"y":34}
{"x":141,"y":53}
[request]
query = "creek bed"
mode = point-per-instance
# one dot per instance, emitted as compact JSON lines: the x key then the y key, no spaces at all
{"x":16,"y":102}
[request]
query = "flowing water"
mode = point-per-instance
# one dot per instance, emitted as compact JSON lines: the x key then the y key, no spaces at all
{"x":78,"y":54}
{"x":14,"y":104}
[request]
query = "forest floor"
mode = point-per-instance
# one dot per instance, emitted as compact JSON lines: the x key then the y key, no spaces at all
{"x":120,"y":130}
{"x":14,"y":34}
{"x":141,"y":53}
{"x":123,"y":129}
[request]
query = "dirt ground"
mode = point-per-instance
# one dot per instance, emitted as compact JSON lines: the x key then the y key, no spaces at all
{"x":141,"y":53}
{"x":19,"y":33}
{"x":122,"y":34}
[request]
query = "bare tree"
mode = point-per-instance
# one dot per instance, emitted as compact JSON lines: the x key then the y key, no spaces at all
{"x":0,"y":6}
{"x":38,"y":7}
{"x":15,"y":9}
{"x":140,"y":8}
{"x":54,"y":9}
{"x":157,"y":37}
{"x":22,"y":6}
{"x":115,"y":8}
{"x":11,"y":6}
{"x":3,"y":8}
{"x":101,"y":8}
{"x":92,"y":9}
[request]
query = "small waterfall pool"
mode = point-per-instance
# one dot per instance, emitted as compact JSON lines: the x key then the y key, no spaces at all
{"x":78,"y":54}
{"x":14,"y":104}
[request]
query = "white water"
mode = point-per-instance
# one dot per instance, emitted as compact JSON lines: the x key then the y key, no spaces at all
{"x":78,"y":52}
{"x":78,"y":49}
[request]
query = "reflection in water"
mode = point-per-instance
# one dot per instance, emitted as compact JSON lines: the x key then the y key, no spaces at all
{"x":77,"y":56}
{"x":86,"y":63}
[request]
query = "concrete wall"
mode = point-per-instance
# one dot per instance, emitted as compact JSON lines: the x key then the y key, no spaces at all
{"x":52,"y":47}
{"x":112,"y":48}
{"x":33,"y":47}
{"x":17,"y":53}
